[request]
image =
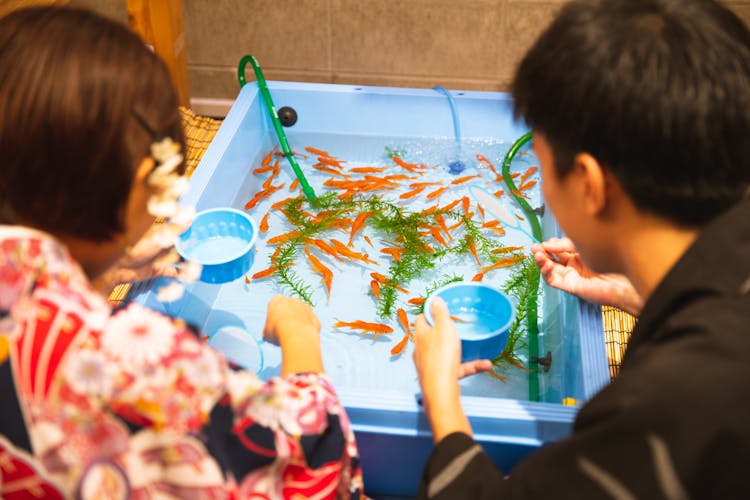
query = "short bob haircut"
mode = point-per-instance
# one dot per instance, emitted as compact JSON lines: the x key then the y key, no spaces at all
{"x":658,"y":91}
{"x":81,"y":100}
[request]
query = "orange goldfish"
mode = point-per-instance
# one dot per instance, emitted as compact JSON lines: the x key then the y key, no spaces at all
{"x":367,"y":170}
{"x":265,"y":273}
{"x":358,"y":224}
{"x":364,"y":327}
{"x":509,"y":261}
{"x":317,"y":152}
{"x":294,"y":185}
{"x":411,"y":194}
{"x":319,"y":268}
{"x":264,"y":223}
{"x":467,"y":178}
{"x":437,"y":192}
{"x":375,"y":287}
{"x":528,"y":174}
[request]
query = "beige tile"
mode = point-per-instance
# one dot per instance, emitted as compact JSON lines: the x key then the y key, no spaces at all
{"x":417,"y":82}
{"x":220,"y":82}
{"x":417,"y":38}
{"x":280,"y":33}
{"x":525,"y":22}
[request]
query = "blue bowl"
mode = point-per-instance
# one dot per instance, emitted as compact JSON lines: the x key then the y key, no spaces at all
{"x":239,"y":347}
{"x":482,"y":315}
{"x":222,"y":240}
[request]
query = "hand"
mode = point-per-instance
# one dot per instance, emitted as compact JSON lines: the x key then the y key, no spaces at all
{"x":288,"y":317}
{"x":293,"y":325}
{"x":561,"y":267}
{"x":437,"y":357}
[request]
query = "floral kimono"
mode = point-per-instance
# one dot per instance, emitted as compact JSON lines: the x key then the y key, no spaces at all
{"x":130,"y":404}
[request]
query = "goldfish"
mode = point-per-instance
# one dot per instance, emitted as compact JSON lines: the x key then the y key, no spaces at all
{"x":440,"y":220}
{"x":404,"y":321}
{"x":367,"y":170}
{"x":317,"y":152}
{"x":327,"y":249}
{"x":294,"y":185}
{"x":467,"y":178}
{"x":264,"y":223}
{"x":247,"y":280}
{"x":507,"y":249}
{"x":411,"y":167}
{"x":369,"y":241}
{"x":478,"y":277}
{"x":265,"y":273}
{"x":263,"y":169}
{"x":358,"y":224}
{"x":319,"y":268}
{"x":437,"y":192}
{"x":268,"y":157}
{"x":416,"y":301}
{"x":509,"y":261}
{"x":328,"y":170}
{"x":531,"y":171}
{"x":435,"y":232}
{"x":528,"y":185}
{"x":488,"y":163}
{"x":375,"y":287}
{"x":394,"y":252}
{"x":384,"y":280}
{"x":281,"y":238}
{"x":396,"y":350}
{"x":415,"y":185}
{"x":281,"y":203}
{"x":473,"y":250}
{"x":451,"y":205}
{"x":342,"y":249}
{"x":411,"y":194}
{"x":364,"y":327}
{"x":481,"y":211}
{"x":331,"y":161}
{"x":498,"y":194}
{"x":265,"y":193}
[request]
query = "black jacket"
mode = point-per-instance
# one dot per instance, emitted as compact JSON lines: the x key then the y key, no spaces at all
{"x":676,"y":421}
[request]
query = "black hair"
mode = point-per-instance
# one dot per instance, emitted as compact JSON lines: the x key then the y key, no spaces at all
{"x":658,"y":91}
{"x":75,"y":92}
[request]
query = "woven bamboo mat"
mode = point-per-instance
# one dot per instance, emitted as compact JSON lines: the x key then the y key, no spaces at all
{"x":618,"y":325}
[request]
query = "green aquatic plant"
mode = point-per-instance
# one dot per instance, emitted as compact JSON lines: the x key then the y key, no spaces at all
{"x":522,"y":286}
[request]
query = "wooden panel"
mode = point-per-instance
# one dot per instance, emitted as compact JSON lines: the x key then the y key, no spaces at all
{"x":159,"y":23}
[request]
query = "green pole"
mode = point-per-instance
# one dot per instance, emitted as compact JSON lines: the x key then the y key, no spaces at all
{"x":532,"y":307}
{"x":306,"y":188}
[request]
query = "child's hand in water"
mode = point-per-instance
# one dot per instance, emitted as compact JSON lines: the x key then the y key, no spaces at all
{"x":293,"y":325}
{"x":437,"y":357}
{"x":561,"y":267}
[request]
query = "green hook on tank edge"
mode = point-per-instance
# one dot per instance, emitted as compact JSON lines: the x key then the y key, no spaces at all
{"x":532,"y":308}
{"x":306,"y":188}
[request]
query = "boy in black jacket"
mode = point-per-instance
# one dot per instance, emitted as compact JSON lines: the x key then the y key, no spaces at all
{"x":641,"y":119}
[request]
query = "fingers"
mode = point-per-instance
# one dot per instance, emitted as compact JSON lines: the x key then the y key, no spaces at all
{"x":440,"y":313}
{"x":473,"y":367}
{"x":559,"y":245}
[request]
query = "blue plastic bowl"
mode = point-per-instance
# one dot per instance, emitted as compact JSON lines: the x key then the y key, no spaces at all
{"x":222,"y":240}
{"x":482,"y":315}
{"x":239,"y":347}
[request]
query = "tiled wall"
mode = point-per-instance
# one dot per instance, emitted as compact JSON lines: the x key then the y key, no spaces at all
{"x":460,"y":44}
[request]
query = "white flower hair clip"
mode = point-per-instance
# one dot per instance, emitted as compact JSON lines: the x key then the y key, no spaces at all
{"x":168,"y":185}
